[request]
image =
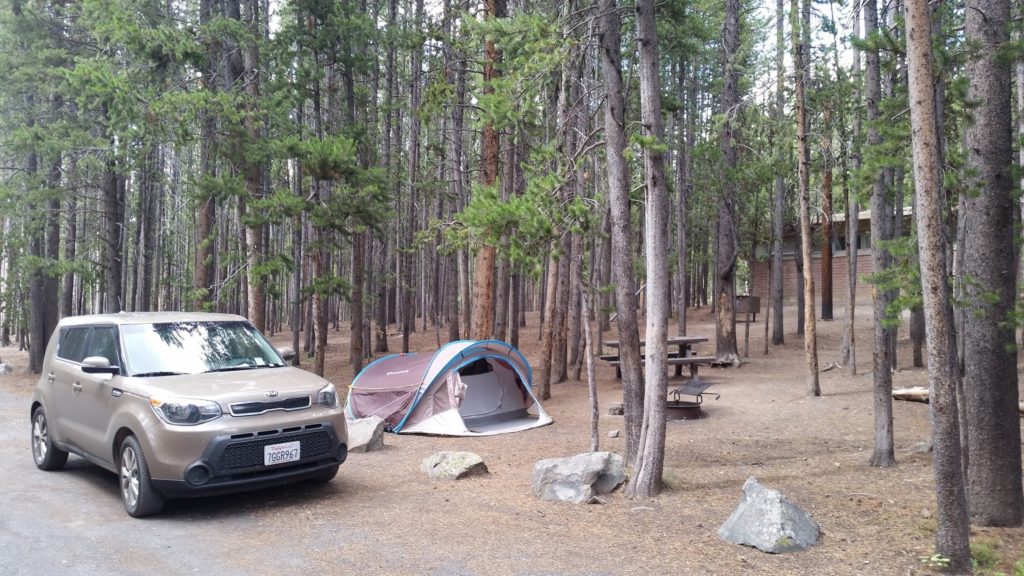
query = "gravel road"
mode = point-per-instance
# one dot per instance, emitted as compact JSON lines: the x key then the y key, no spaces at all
{"x":72,"y":522}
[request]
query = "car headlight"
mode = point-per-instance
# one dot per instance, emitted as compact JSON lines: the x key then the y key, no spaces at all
{"x":185,"y":412}
{"x":327,"y":396}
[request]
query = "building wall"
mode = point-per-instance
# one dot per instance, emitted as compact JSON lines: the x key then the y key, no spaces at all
{"x":760,"y":279}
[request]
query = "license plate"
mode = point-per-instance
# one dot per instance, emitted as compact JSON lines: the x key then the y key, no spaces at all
{"x":281,"y":453}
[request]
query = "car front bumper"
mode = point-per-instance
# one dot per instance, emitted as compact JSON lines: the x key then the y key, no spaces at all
{"x":234,"y":462}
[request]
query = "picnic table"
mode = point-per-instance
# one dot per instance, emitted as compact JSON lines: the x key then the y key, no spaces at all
{"x":682,"y":356}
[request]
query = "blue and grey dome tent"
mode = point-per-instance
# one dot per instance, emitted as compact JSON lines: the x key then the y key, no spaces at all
{"x":467,"y":388}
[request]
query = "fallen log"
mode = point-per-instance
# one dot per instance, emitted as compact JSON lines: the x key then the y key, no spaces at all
{"x":912,"y":394}
{"x":920,"y":394}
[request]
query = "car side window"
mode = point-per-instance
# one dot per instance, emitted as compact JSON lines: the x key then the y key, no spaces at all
{"x":72,"y":343}
{"x":103,"y":342}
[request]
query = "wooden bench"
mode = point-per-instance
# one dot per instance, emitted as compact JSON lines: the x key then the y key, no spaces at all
{"x":693,"y":362}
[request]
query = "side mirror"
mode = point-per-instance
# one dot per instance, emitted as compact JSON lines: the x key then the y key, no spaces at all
{"x":99,"y":365}
{"x":287,"y":353}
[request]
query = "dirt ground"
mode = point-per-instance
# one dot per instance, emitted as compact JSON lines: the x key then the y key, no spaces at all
{"x":814,"y":450}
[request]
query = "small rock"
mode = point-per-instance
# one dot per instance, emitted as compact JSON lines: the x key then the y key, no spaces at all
{"x":924,"y":447}
{"x":768,"y":521}
{"x":453,"y":465}
{"x":926,"y":513}
{"x":366,"y":434}
{"x":616,"y":409}
{"x":613,"y":434}
{"x":5,"y":368}
{"x":579,"y":479}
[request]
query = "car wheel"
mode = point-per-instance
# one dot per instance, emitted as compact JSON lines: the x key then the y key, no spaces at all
{"x":44,"y":452}
{"x":139,"y":496}
{"x":326,"y":476}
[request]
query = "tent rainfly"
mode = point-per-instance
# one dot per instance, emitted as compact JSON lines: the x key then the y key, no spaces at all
{"x":467,"y":388}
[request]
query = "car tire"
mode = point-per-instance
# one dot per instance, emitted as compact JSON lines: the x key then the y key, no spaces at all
{"x":45,"y":453}
{"x":326,"y":476}
{"x":138,"y":495}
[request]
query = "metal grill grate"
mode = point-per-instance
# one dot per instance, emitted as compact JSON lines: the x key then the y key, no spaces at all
{"x":242,"y":455}
{"x":254,"y":408}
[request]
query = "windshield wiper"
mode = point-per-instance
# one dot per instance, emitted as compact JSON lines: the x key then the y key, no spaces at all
{"x":157,"y":373}
{"x":233,"y":369}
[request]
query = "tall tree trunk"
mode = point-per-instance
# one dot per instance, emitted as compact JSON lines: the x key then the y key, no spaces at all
{"x":848,"y":353}
{"x":683,"y":192}
{"x":801,"y":63}
{"x":826,"y":213}
{"x":36,"y":248}
{"x":574,"y":328}
{"x":409,"y":225}
{"x":990,"y":357}
{"x":779,"y":206}
{"x":728,"y":239}
{"x":253,"y":171}
{"x":203,"y":272}
{"x":884,"y":452}
{"x":297,"y":257}
{"x":953,"y":526}
{"x":548,"y":327}
{"x":113,"y":212}
{"x":355,"y":345}
{"x":148,"y":226}
{"x":503,"y":287}
{"x":650,"y":458}
{"x":67,"y":306}
{"x":483,"y":282}
{"x":621,"y":224}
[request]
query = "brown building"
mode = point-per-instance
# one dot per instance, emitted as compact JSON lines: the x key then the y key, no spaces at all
{"x":760,"y":276}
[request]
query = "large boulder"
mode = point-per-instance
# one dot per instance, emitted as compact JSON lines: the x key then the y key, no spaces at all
{"x":578,"y":479}
{"x":366,"y":434}
{"x":768,"y":521}
{"x":453,"y":465}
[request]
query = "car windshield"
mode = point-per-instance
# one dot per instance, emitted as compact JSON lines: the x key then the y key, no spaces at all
{"x":171,"y":348}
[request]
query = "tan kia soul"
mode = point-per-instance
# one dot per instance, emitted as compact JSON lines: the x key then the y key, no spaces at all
{"x":182,"y":404}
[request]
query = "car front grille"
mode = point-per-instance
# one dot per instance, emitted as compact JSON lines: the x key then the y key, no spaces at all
{"x":316,"y":443}
{"x":256,"y":408}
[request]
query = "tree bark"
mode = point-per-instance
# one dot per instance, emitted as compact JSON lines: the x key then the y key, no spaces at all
{"x":650,"y":458}
{"x":113,"y":212}
{"x":884,"y":452}
{"x":588,"y":351}
{"x":483,"y":284}
{"x":953,"y":531}
{"x":683,"y":193}
{"x":253,"y":170}
{"x":409,"y":225}
{"x":990,"y":357}
{"x":621,"y":224}
{"x":848,"y":350}
{"x":800,"y":64}
{"x":779,"y":206}
{"x":728,"y":240}
{"x":826,"y":214}
{"x":203,"y":272}
{"x":547,"y":339}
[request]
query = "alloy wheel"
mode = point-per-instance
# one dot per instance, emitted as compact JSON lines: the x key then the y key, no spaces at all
{"x":40,"y":437}
{"x":129,"y":476}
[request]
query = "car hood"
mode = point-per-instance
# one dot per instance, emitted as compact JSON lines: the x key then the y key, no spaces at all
{"x":227,"y":387}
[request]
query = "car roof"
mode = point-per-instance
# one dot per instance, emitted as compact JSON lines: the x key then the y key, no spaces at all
{"x":149,"y":318}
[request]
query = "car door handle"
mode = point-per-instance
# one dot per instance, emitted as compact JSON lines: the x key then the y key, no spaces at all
{"x":50,"y":377}
{"x":76,"y":387}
